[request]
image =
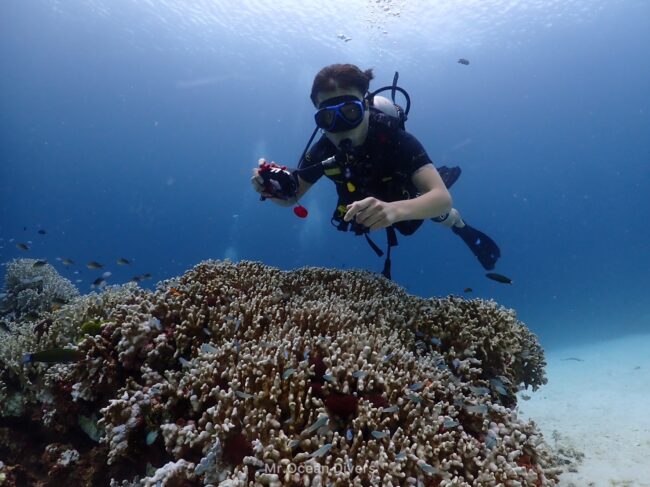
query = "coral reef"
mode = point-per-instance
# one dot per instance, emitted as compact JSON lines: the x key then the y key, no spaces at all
{"x":241,"y":374}
{"x":32,"y":287}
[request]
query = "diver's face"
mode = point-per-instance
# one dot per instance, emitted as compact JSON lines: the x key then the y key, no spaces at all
{"x":357,"y":135}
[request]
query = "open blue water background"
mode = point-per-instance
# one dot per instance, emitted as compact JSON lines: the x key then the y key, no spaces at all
{"x":130,"y":128}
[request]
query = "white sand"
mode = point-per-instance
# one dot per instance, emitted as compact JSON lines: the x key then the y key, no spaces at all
{"x":601,"y":407}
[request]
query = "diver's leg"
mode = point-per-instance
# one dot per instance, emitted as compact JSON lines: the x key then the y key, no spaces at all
{"x":483,"y":247}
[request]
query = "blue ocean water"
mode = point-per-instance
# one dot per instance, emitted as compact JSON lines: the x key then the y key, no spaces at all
{"x":130,"y":129}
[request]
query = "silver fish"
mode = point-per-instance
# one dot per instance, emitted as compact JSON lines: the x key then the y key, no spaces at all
{"x":288,"y":373}
{"x":400,"y":456}
{"x":207,"y":348}
{"x":359,"y":374}
{"x":321,"y":451}
{"x":379,"y":434}
{"x":349,"y":435}
{"x":499,"y":387}
{"x":490,"y":440}
{"x":320,"y":422}
{"x":329,"y":378}
{"x":294,"y":443}
{"x":426,"y":468}
{"x":388,"y":357}
{"x":435,"y":341}
{"x":151,"y":437}
{"x":480,"y":391}
{"x":390,"y":409}
{"x":416,"y":387}
{"x":243,"y":395}
{"x":414,"y":398}
{"x":449,"y":423}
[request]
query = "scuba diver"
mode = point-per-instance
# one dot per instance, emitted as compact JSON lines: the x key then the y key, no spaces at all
{"x":383,"y":176}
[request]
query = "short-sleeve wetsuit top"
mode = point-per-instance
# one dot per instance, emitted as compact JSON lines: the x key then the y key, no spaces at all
{"x":381,"y":167}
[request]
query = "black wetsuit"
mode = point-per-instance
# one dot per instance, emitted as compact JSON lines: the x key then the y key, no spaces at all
{"x":381,"y":167}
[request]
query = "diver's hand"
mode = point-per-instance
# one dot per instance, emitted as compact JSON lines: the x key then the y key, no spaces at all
{"x":372,"y":213}
{"x":257,"y":181}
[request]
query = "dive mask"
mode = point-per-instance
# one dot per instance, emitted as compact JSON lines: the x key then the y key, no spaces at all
{"x":340,"y":113}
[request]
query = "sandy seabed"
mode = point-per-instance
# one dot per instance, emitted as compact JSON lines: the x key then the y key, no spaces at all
{"x":597,"y":402}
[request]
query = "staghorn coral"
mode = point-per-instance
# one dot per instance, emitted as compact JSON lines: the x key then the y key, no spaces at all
{"x":242,"y":373}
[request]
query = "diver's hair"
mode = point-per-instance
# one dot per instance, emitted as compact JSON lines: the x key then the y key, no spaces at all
{"x":340,"y":76}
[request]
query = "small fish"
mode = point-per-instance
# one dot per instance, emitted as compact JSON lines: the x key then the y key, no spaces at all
{"x":39,"y":263}
{"x":94,"y":265}
{"x":145,"y":276}
{"x":54,"y":356}
{"x":426,"y":468}
{"x":449,"y":423}
{"x":498,"y":386}
{"x":288,"y":373}
{"x":136,"y":279}
{"x":463,"y":61}
{"x":42,"y":232}
{"x":417,"y":386}
{"x":359,"y":374}
{"x":321,"y":451}
{"x":22,"y":246}
{"x":468,"y":290}
{"x":388,"y":357}
{"x":476,"y":408}
{"x":305,"y":354}
{"x":99,"y":282}
{"x":184,"y":362}
{"x":107,"y":274}
{"x":207,"y":348}
{"x":243,"y":395}
{"x":151,"y":437}
{"x":400,"y":456}
{"x":490,"y":440}
{"x":574,"y":359}
{"x":286,"y":354}
{"x":498,"y":278}
{"x":91,"y":328}
{"x":237,"y":344}
{"x":67,"y":262}
{"x":349,"y":434}
{"x":206,"y":331}
{"x":435,"y":341}
{"x":414,"y":398}
{"x":525,"y":397}
{"x":294,"y":443}
{"x":237,"y":325}
{"x":329,"y":378}
{"x":122,"y":261}
{"x":320,"y":422}
{"x":481,"y":391}
{"x":379,"y":434}
{"x":390,"y":409}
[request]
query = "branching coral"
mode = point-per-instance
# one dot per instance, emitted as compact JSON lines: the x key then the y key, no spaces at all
{"x":242,"y":373}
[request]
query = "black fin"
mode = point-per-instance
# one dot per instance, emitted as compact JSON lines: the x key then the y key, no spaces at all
{"x":483,"y":247}
{"x":449,"y":175}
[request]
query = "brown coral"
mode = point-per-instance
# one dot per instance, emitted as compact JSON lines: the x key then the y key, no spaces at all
{"x":238,"y":373}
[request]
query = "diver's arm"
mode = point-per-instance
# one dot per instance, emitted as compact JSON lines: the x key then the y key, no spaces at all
{"x":434,"y":199}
